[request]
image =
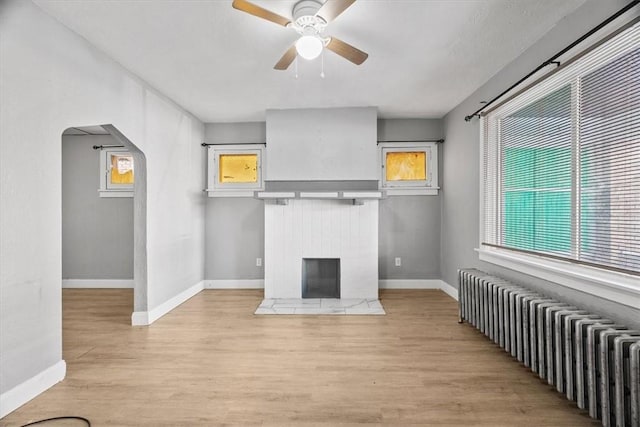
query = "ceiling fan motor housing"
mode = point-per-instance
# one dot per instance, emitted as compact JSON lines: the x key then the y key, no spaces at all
{"x":304,"y":16}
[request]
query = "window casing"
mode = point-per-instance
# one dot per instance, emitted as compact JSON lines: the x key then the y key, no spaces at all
{"x":117,"y":173}
{"x":560,"y":173}
{"x":409,"y":168}
{"x":235,"y":170}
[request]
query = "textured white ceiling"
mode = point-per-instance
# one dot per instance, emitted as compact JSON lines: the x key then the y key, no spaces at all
{"x":425,"y":56}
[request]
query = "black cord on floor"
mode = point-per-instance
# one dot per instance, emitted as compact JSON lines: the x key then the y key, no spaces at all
{"x":59,"y":418}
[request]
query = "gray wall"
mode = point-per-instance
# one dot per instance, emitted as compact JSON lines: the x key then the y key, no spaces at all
{"x":97,"y":232}
{"x":460,"y":196}
{"x":234,"y":238}
{"x":409,"y":225}
{"x":234,"y":235}
{"x":321,"y":144}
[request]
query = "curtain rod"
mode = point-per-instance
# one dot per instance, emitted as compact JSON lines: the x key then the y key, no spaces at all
{"x":552,"y":60}
{"x":206,"y":144}
{"x":437,"y":141}
{"x":100,"y":147}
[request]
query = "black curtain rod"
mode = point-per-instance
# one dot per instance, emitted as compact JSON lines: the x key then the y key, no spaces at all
{"x":204,"y":144}
{"x":552,"y":60}
{"x":438,"y":141}
{"x":100,"y":147}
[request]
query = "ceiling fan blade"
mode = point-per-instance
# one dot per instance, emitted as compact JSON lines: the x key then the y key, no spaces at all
{"x":332,"y":8}
{"x":347,"y":51}
{"x":260,"y":12}
{"x":286,"y":59}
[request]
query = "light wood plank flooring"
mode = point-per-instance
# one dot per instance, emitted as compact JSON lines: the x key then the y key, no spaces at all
{"x":212,"y":362}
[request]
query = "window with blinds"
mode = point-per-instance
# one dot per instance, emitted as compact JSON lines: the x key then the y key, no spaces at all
{"x":561,"y":162}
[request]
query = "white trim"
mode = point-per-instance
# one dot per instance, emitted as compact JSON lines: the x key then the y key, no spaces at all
{"x":449,"y":290}
{"x":234,"y":284}
{"x":227,"y":193}
{"x":218,"y":189}
{"x":275,"y":194}
{"x":319,"y":194}
{"x":419,"y":284}
{"x":115,"y":193}
{"x":409,"y":284}
{"x":618,"y":287}
{"x":426,"y":187}
{"x":12,"y":399}
{"x":143,"y":318}
{"x":362,"y":194}
{"x":112,"y":190}
{"x":433,"y":191}
{"x":97,"y":284}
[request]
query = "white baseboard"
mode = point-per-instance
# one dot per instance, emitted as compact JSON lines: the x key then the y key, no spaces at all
{"x":97,"y":284}
{"x":234,"y":284}
{"x":420,"y":284}
{"x":24,"y":392}
{"x":142,"y":318}
{"x":449,"y":290}
{"x":409,"y":284}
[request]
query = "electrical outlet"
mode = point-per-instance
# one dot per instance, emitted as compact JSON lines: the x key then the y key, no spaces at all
{"x":258,"y":262}
{"x":398,"y":261}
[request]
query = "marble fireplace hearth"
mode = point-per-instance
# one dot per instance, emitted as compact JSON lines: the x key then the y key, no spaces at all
{"x":321,"y":306}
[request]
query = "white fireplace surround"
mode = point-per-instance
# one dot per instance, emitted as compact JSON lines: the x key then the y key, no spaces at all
{"x":321,"y":229}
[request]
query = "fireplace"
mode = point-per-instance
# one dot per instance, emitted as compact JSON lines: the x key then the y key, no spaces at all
{"x":321,"y":278}
{"x":321,"y":230}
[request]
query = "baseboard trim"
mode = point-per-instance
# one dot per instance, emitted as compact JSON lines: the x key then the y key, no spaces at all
{"x":234,"y":284}
{"x":420,"y":284}
{"x":144,"y":318}
{"x":449,"y":290}
{"x":97,"y":284}
{"x":409,"y":284}
{"x":24,"y":392}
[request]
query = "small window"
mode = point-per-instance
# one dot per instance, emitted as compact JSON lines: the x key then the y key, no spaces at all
{"x":117,"y":173}
{"x":238,"y":168}
{"x":409,"y":168}
{"x":234,"y":170}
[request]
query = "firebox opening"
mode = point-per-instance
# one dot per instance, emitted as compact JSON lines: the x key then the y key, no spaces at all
{"x":320,"y":278}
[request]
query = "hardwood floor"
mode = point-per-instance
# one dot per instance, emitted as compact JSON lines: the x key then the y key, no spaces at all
{"x":212,"y":362}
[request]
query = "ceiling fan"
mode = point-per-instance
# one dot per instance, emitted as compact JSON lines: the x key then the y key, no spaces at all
{"x":310,"y":18}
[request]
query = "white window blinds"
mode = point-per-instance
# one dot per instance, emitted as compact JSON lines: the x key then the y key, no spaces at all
{"x":561,"y":162}
{"x":609,"y":161}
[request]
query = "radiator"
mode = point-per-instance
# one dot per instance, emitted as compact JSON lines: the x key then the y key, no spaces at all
{"x":592,"y":360}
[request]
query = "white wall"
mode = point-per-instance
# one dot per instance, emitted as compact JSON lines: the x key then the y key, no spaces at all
{"x":51,"y":79}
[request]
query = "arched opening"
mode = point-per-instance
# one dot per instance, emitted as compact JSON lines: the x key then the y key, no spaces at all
{"x":104,"y":220}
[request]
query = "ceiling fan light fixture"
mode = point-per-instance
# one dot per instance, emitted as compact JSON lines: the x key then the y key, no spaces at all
{"x":309,"y":47}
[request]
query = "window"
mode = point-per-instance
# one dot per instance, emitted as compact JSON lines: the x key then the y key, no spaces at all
{"x":561,"y":168}
{"x":235,"y":170}
{"x":117,"y":173}
{"x":409,"y":168}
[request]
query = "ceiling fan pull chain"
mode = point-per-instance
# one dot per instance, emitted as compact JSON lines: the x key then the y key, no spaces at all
{"x":296,"y":66}
{"x":322,"y":64}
